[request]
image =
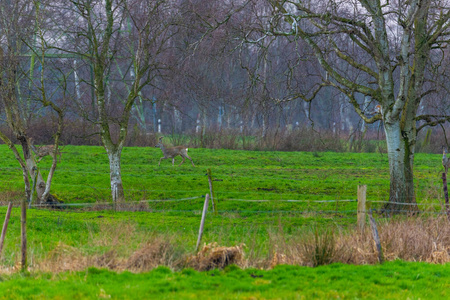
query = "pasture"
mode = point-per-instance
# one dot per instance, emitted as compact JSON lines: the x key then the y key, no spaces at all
{"x":83,"y":175}
{"x":273,"y":205}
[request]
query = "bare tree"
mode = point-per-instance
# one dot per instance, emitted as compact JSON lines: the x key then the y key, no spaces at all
{"x":385,"y":56}
{"x":18,"y":30}
{"x":121,"y":63}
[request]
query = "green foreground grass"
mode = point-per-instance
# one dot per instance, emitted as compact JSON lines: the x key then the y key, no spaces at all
{"x":394,"y":280}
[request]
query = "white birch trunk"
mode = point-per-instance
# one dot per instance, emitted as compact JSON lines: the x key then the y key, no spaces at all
{"x":115,"y":176}
{"x":396,"y":155}
{"x":77,"y":82}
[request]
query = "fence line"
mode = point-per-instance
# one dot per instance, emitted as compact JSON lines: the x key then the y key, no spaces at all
{"x":110,"y":203}
{"x":245,"y":211}
{"x":242,"y":200}
{"x":303,"y":212}
{"x":222,"y":193}
{"x":287,"y":200}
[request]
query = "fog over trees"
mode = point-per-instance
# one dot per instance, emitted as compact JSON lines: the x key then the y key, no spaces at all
{"x":122,"y":72}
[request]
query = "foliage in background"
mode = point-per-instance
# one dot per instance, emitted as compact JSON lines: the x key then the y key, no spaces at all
{"x":300,"y":139}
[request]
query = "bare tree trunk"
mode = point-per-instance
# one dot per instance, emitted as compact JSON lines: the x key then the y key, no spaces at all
{"x":117,"y":192}
{"x":204,"y":124}
{"x":32,"y":169}
{"x":76,"y":81}
{"x":307,"y":114}
{"x":401,"y":189}
{"x":366,"y":104}
{"x":409,"y":135}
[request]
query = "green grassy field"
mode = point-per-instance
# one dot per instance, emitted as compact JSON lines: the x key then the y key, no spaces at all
{"x":59,"y":239}
{"x":83,"y":175}
{"x":395,"y":280}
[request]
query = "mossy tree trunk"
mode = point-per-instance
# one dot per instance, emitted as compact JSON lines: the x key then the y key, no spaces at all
{"x":392,"y":69}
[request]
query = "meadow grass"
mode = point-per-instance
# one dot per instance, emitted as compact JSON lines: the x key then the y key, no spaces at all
{"x":83,"y":176}
{"x":274,"y":232}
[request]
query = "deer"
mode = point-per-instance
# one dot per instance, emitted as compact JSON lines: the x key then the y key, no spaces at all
{"x":44,"y":150}
{"x":173,"y":152}
{"x":445,"y":159}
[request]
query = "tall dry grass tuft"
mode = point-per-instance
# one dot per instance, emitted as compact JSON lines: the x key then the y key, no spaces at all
{"x":313,"y":247}
{"x":319,"y":248}
{"x":63,"y":258}
{"x":409,"y":239}
{"x":417,"y":239}
{"x":158,"y":252}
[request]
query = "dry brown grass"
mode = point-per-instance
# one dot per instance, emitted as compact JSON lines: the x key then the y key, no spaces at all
{"x":409,"y":239}
{"x":153,"y":253}
{"x":11,"y":196}
{"x":213,"y":256}
{"x":63,"y":258}
{"x":120,"y":247}
{"x":417,"y":240}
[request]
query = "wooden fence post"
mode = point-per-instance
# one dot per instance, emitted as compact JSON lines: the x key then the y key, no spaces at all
{"x":376,"y":237}
{"x":211,"y":191}
{"x":5,"y":226}
{"x":23,"y":230}
{"x":361,"y":214}
{"x":444,"y":182}
{"x":202,"y":223}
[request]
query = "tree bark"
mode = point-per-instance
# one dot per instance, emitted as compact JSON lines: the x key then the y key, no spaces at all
{"x":32,"y":169}
{"x":400,"y":170}
{"x":118,"y":195}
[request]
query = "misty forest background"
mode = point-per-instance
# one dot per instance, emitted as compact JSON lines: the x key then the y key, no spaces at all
{"x":211,"y":86}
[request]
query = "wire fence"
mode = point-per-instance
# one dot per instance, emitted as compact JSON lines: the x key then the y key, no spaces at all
{"x":145,"y":205}
{"x":276,"y":203}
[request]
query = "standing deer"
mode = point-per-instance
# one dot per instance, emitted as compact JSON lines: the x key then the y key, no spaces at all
{"x":445,"y":159}
{"x":44,"y":150}
{"x":173,"y":152}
